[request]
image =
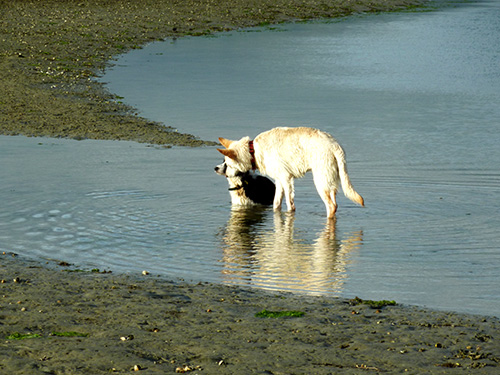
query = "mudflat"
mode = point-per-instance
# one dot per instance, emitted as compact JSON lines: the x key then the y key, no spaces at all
{"x":51,"y":50}
{"x":55,"y":319}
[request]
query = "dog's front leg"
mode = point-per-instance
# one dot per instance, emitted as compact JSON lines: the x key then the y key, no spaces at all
{"x":290,"y":194}
{"x":278,"y":196}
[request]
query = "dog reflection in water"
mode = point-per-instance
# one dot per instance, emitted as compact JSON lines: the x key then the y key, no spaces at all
{"x":278,"y":257}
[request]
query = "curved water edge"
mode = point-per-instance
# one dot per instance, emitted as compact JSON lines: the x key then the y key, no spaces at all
{"x":419,"y":123}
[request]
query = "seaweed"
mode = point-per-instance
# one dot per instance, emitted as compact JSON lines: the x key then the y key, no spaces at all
{"x":373,"y":304}
{"x":23,"y":336}
{"x":280,"y":314}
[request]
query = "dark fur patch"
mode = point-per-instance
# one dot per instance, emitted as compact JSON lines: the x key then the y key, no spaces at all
{"x":259,"y":189}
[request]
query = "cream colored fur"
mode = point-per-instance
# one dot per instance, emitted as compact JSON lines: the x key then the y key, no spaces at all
{"x":238,"y":196}
{"x":287,"y":153}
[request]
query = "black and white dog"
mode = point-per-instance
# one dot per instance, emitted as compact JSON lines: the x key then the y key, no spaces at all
{"x":247,"y":188}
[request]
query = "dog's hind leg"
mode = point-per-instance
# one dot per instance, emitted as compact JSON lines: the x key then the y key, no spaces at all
{"x":333,"y":196}
{"x":328,"y":195}
{"x":328,"y":198}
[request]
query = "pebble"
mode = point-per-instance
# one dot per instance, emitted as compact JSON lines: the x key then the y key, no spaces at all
{"x":186,"y":368}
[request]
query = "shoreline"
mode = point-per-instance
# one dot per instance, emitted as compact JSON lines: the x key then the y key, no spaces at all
{"x":51,"y":51}
{"x":55,"y":319}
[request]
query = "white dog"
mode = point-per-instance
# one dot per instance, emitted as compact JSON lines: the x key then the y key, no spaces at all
{"x":247,"y":189}
{"x":287,"y":153}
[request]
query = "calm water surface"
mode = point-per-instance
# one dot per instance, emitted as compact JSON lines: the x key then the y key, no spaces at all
{"x":413,"y":98}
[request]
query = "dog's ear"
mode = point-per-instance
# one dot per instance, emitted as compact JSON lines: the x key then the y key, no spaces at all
{"x":229,"y":153}
{"x":225,"y":142}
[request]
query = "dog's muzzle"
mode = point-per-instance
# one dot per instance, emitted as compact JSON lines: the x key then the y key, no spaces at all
{"x":221,"y":169}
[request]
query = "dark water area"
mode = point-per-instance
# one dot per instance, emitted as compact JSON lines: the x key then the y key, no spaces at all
{"x":412,"y":97}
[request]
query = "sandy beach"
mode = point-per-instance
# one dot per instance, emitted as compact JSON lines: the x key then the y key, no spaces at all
{"x":55,"y":319}
{"x":58,"y":319}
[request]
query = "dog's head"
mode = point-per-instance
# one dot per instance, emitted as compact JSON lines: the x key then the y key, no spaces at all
{"x":237,"y":157}
{"x":221,"y":169}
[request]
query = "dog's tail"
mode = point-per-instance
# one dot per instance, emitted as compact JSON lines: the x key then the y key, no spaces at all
{"x":347,"y":187}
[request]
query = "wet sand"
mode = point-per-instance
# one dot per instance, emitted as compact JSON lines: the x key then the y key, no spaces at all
{"x":55,"y":319}
{"x":50,"y":51}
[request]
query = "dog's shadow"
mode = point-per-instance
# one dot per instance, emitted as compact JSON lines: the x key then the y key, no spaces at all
{"x":278,"y":257}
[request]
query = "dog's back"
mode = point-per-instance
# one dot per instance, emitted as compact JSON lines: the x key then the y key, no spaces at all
{"x":294,"y":151}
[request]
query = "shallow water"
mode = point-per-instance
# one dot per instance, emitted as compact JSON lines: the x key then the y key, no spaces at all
{"x":412,"y":97}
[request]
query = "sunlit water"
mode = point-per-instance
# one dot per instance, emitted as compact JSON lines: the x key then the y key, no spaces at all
{"x":413,"y":98}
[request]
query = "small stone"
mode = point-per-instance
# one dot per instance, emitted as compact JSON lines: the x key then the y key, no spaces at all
{"x":145,"y":273}
{"x":137,"y":368}
{"x":182,"y":370}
